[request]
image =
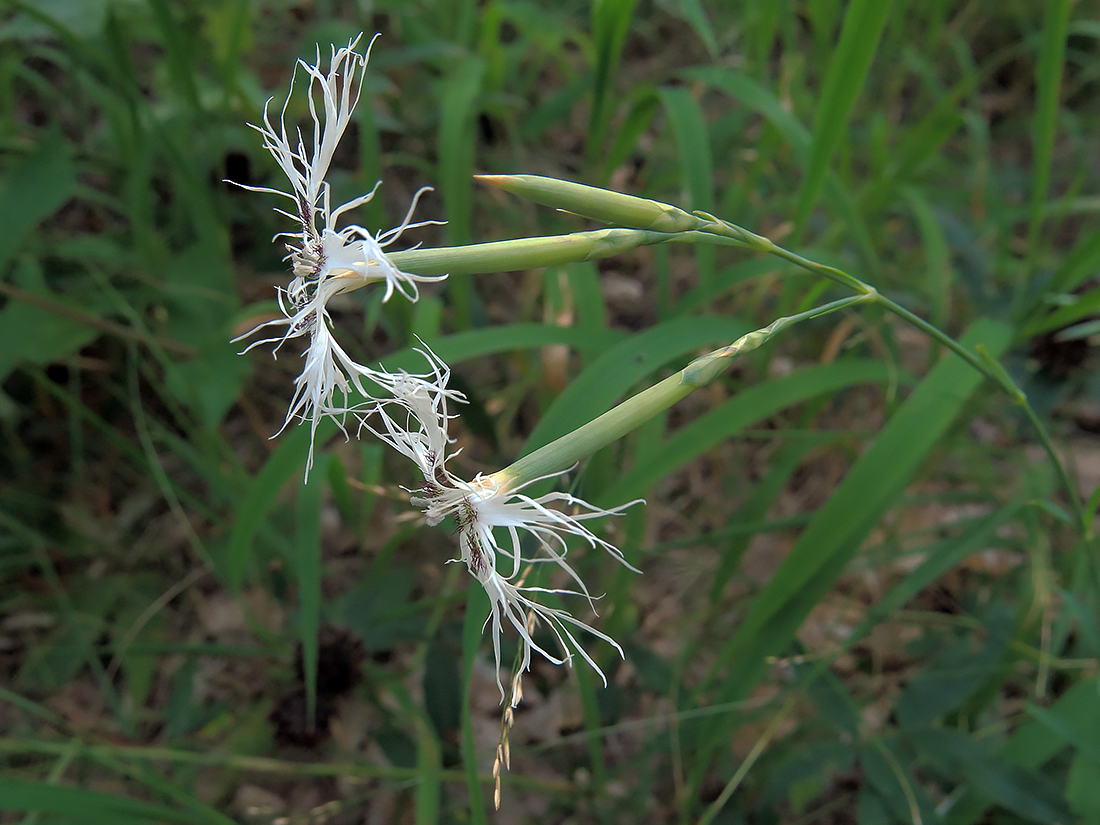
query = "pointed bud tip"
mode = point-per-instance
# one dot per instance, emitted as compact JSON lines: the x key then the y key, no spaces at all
{"x":496,"y":180}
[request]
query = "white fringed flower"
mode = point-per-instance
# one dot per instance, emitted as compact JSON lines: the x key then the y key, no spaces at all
{"x":414,"y":422}
{"x":326,"y":260}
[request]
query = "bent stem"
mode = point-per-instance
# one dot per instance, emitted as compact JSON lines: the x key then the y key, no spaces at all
{"x":986,"y":366}
{"x":566,"y":451}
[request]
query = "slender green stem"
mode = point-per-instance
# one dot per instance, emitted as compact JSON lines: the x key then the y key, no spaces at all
{"x":765,"y":739}
{"x":725,"y":229}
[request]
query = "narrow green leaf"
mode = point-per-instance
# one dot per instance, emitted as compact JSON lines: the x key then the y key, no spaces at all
{"x":1083,"y":305}
{"x":342,"y":495}
{"x":1083,"y":731}
{"x":287,"y":459}
{"x":938,"y":279}
{"x":693,"y":145}
{"x":179,"y":54}
{"x":1048,"y":82}
{"x":465,"y":346}
{"x":429,"y":764}
{"x":751,"y":93}
{"x":696,"y":16}
{"x":638,"y":119}
{"x":457,"y":143}
{"x":1035,"y":743}
{"x":610,"y":23}
{"x":864,"y":21}
{"x":886,"y":772}
{"x":781,"y":465}
{"x":762,"y":100}
{"x":370,"y":161}
{"x":696,"y":165}
{"x":938,"y":559}
{"x":1078,"y":265}
{"x":35,"y":335}
{"x":458,"y":96}
{"x":307,"y":569}
{"x":477,"y":609}
{"x":371,"y":466}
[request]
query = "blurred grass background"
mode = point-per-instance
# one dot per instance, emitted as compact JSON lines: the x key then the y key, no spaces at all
{"x":863,"y":599}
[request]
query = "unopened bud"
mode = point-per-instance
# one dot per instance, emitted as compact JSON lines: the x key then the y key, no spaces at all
{"x":595,"y":203}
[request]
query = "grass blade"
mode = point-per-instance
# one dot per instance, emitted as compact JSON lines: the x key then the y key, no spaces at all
{"x":284,"y":462}
{"x":32,"y":190}
{"x":1048,"y":82}
{"x":762,"y":100}
{"x":610,"y":23}
{"x":307,"y":568}
{"x":457,"y":145}
{"x":696,"y":165}
{"x":848,"y":68}
{"x":835,"y":534}
{"x":477,"y":608}
{"x":697,"y":18}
